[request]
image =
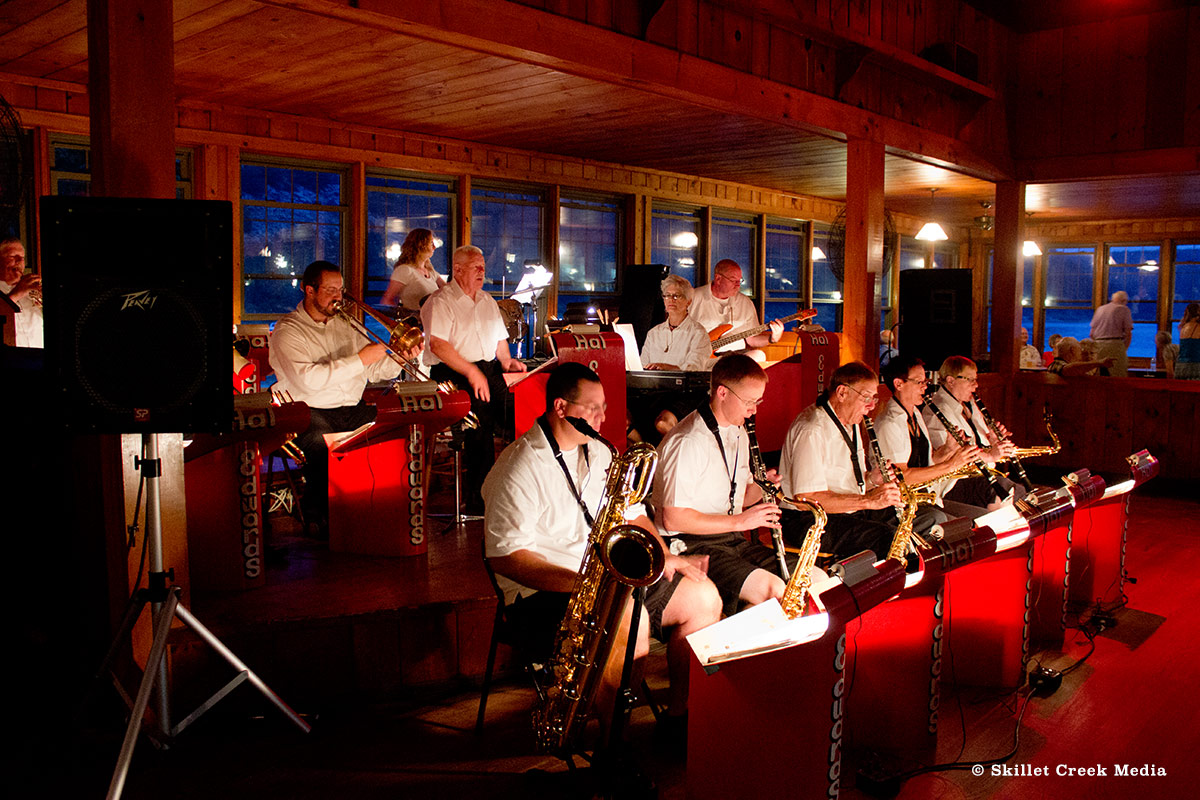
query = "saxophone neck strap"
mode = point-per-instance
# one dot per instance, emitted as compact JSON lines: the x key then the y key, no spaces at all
{"x":544,"y":424}
{"x":851,"y":440}
{"x":710,"y":419}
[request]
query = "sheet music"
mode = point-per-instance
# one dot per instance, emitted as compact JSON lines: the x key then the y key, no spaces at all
{"x":633,"y":359}
{"x":758,"y":629}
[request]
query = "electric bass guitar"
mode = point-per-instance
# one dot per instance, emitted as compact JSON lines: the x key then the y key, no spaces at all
{"x":720,"y":335}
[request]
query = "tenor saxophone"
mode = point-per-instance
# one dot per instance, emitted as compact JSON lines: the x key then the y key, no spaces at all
{"x":619,"y":557}
{"x":795,"y":594}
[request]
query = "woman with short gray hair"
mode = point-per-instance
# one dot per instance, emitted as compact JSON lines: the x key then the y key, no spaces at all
{"x":680,"y":343}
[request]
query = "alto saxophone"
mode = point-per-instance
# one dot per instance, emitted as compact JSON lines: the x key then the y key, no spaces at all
{"x":619,"y":557}
{"x":1041,"y":450}
{"x":795,"y":594}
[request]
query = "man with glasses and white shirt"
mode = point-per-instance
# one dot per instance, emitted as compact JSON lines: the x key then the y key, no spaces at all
{"x":955,"y":398}
{"x":722,"y":303}
{"x":824,"y":458}
{"x":704,"y":499}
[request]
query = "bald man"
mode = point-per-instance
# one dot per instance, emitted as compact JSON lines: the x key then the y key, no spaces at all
{"x":1112,"y":329}
{"x":722,"y":303}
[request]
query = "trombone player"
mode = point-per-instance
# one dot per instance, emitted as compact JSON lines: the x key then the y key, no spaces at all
{"x":321,"y":360}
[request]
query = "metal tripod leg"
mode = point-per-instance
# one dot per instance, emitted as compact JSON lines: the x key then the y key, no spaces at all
{"x":458,"y":518}
{"x":155,"y":667}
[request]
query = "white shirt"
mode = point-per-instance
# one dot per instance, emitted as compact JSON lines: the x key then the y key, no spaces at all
{"x":28,"y":322}
{"x":815,"y":457}
{"x":692,"y":474}
{"x":954,"y":412}
{"x":416,"y":285}
{"x":687,"y":346}
{"x":711,"y":312}
{"x":529,"y":505}
{"x":891,"y":428}
{"x":474,"y":328}
{"x":318,"y":364}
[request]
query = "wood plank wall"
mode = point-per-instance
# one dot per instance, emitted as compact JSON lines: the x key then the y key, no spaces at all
{"x":804,"y":43}
{"x":1126,"y":84}
{"x":1100,"y":421}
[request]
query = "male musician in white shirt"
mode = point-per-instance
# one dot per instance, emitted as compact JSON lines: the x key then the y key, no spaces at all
{"x":722,"y":303}
{"x":468,"y":345}
{"x":536,"y":534}
{"x":954,"y":398}
{"x":321,"y":360}
{"x":902,"y":433}
{"x":824,"y":458}
{"x":20,"y":288}
{"x":704,"y":499}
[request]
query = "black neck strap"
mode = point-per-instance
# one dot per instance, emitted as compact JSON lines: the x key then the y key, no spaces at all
{"x":544,"y":424}
{"x":710,"y":419}
{"x":851,"y":440}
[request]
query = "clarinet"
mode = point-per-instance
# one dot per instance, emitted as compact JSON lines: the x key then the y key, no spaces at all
{"x":886,"y":468}
{"x":961,"y":438}
{"x":991,"y":423}
{"x":758,"y":471}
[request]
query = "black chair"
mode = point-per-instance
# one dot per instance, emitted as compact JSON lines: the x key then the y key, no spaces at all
{"x":502,"y":631}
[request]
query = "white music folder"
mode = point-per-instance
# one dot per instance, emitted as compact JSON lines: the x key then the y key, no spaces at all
{"x":633,"y":359}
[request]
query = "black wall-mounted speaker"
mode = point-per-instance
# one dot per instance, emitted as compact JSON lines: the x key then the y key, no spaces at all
{"x":137,"y":299}
{"x":935,"y":314}
{"x":641,"y":297}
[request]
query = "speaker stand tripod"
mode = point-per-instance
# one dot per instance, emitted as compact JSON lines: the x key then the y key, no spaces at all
{"x":165,"y":607}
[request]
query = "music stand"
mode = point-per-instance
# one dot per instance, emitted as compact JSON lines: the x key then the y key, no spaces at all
{"x":165,"y":607}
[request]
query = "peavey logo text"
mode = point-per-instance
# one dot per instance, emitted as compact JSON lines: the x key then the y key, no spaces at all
{"x":142,"y":299}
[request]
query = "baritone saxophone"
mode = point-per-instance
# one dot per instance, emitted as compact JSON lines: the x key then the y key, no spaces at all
{"x":619,"y":558}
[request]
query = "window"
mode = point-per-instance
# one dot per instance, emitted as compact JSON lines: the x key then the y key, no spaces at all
{"x":395,"y":206}
{"x":675,"y":240}
{"x":945,"y":255}
{"x":506,"y":224}
{"x":1068,"y":300}
{"x":589,"y":241}
{"x":784,"y":268}
{"x":71,"y":168}
{"x":912,"y":253}
{"x":826,"y":286}
{"x":733,"y":238}
{"x":1187,"y":283}
{"x":1133,"y":269}
{"x":292,"y":215}
{"x":1027,"y":270}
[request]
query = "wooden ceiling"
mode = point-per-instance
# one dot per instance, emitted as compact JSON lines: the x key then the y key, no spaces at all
{"x":245,"y":54}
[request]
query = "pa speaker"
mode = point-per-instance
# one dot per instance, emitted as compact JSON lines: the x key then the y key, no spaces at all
{"x":137,"y":303}
{"x":641,"y":297}
{"x":935,"y":314}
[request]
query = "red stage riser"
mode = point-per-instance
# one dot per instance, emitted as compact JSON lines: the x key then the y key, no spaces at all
{"x":771,"y":725}
{"x":225,"y":513}
{"x":1048,"y":611}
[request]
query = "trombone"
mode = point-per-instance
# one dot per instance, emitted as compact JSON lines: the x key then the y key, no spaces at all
{"x":402,"y":337}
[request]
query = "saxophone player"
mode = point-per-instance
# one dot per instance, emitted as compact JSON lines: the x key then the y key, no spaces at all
{"x":954,"y":399}
{"x":903,"y":435}
{"x":539,"y":501}
{"x":824,"y":458}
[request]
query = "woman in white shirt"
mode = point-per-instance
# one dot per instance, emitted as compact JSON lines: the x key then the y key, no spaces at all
{"x":414,"y":277}
{"x":680,"y":343}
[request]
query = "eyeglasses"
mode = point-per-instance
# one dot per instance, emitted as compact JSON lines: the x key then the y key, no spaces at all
{"x":972,"y":381}
{"x":917,"y":381}
{"x":871,"y":399}
{"x":673,"y":296}
{"x":749,"y":403}
{"x":727,"y":279}
{"x":590,"y":408}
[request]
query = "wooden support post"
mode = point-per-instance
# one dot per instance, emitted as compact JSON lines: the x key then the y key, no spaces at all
{"x":864,"y":252}
{"x":1007,"y":266}
{"x":131,"y":97}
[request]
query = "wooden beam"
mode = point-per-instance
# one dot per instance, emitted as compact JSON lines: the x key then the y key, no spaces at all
{"x":575,"y":48}
{"x":863,"y":252}
{"x":1007,"y":264}
{"x":131,"y":92}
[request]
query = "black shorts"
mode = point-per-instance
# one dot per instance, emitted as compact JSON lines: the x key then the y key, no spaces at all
{"x":536,"y":618}
{"x":731,"y":559}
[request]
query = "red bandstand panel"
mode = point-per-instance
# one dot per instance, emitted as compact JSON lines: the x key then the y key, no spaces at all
{"x":224,"y":496}
{"x":794,"y":384}
{"x":378,"y":480}
{"x":769,"y":725}
{"x":1096,"y":562}
{"x":602,"y":352}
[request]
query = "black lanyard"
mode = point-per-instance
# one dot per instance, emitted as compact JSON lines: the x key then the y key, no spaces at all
{"x":916,"y":435}
{"x":545,"y":426}
{"x":710,"y":420}
{"x":851,"y":442}
{"x":966,"y":412}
